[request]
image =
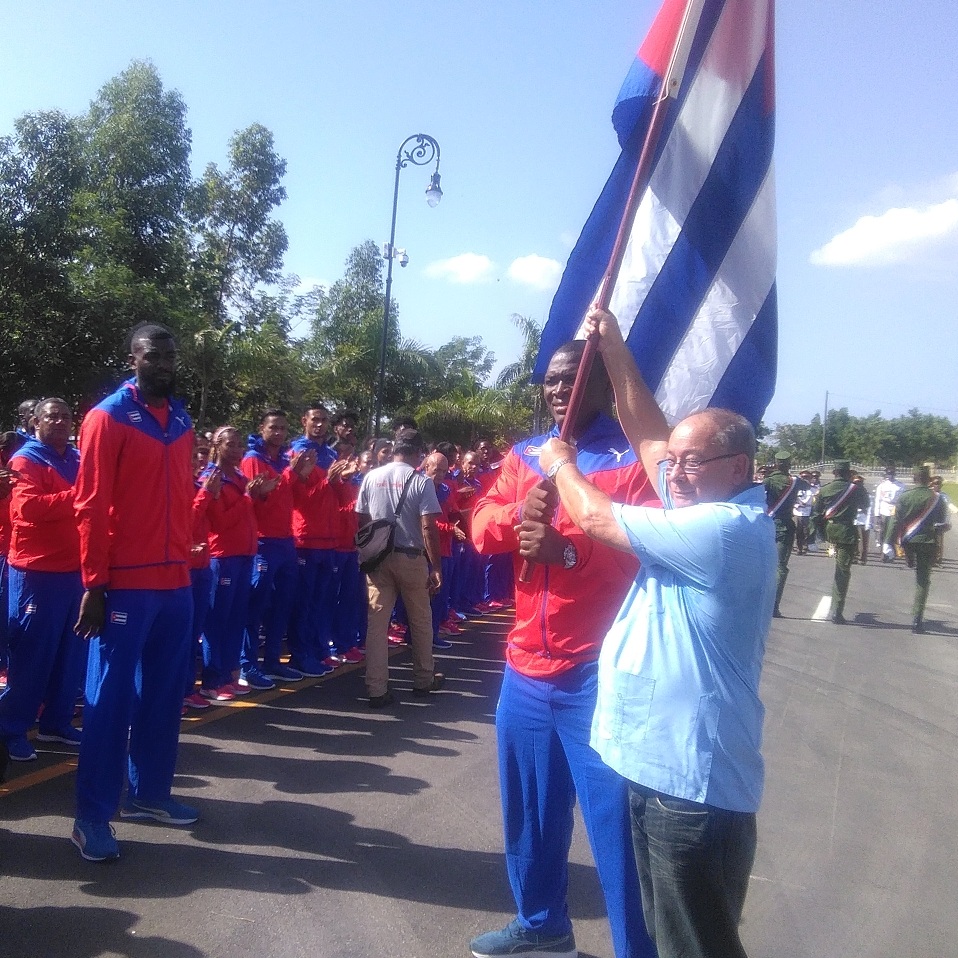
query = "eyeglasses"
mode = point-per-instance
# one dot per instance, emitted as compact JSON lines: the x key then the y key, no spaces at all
{"x":691,"y":466}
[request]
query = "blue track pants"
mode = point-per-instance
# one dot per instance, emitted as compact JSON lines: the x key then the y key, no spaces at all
{"x":545,"y":762}
{"x":46,"y":656}
{"x":134,"y":696}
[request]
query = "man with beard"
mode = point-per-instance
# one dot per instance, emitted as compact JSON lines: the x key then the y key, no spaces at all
{"x":133,"y":500}
{"x":544,"y":715}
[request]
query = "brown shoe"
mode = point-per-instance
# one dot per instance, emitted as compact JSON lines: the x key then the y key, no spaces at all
{"x":438,"y":681}
{"x":381,"y":701}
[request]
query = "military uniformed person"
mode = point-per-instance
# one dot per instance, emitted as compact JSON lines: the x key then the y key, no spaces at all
{"x":913,"y":527}
{"x":837,"y":505}
{"x":781,"y":492}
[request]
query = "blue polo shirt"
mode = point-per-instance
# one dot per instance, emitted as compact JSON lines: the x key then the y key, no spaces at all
{"x":678,"y":708}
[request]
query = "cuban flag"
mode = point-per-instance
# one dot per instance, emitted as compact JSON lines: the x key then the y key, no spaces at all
{"x":695,"y":295}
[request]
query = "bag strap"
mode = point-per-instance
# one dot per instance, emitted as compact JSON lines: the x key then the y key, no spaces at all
{"x":402,"y":497}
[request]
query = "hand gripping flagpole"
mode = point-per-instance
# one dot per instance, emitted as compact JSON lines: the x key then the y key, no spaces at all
{"x":671,"y":84}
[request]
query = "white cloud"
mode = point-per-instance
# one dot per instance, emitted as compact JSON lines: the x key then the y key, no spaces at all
{"x":464,"y":268}
{"x":892,"y":237}
{"x":536,"y":271}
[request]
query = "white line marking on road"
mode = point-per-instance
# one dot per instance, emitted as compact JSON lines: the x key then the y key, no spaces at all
{"x":821,"y":612}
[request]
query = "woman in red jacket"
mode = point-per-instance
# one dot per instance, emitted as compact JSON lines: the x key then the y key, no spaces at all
{"x":232,"y":547}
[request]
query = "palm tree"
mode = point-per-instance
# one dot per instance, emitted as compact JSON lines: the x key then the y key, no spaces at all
{"x":516,"y":378}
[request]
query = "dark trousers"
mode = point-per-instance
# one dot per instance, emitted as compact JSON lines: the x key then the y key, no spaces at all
{"x":922,"y":556}
{"x":784,"y":539}
{"x":846,"y":549}
{"x":694,"y":862}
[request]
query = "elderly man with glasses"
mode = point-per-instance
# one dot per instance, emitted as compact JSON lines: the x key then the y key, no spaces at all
{"x":678,"y":713}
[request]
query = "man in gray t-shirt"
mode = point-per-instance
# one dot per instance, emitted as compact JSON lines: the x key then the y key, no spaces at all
{"x":405,"y":570}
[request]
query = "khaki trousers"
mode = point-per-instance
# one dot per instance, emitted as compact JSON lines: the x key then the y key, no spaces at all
{"x":407,"y":576}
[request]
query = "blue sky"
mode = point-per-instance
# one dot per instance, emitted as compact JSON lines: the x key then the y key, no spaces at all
{"x":518,"y":94}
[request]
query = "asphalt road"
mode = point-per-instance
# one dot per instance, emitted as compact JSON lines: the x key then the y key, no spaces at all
{"x":330,"y":831}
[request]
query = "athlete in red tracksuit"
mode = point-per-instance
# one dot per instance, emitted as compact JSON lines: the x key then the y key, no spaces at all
{"x":275,"y":569}
{"x":201,"y":576}
{"x":134,"y":495}
{"x":351,"y":601}
{"x":46,"y":655}
{"x":436,"y":467}
{"x":544,"y":715}
{"x":233,"y":545}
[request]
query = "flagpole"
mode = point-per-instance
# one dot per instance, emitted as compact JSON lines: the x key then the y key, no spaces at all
{"x":671,"y":84}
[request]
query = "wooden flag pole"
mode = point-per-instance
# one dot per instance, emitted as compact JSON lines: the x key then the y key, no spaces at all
{"x":671,"y":84}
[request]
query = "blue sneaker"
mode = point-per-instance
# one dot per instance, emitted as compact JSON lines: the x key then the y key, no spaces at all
{"x":20,"y":749}
{"x":169,"y":811}
{"x":67,"y":735}
{"x":516,"y":940}
{"x":311,"y":668}
{"x":441,"y":644}
{"x":95,"y":840}
{"x":282,"y":673}
{"x":253,"y":678}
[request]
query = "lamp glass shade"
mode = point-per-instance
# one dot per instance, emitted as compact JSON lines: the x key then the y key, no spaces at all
{"x":433,"y":191}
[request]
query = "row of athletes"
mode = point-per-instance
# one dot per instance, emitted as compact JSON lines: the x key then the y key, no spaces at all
{"x":270,"y":555}
{"x":242,"y":526}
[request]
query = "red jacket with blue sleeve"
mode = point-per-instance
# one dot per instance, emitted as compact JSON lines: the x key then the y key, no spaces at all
{"x":200,"y":554}
{"x":316,"y":522}
{"x":134,"y":494}
{"x":231,"y":517}
{"x":446,"y":523}
{"x":562,"y":615}
{"x":274,"y":514}
{"x":44,"y":535}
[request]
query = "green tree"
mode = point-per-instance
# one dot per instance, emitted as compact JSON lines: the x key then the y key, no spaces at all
{"x":131,"y":264}
{"x":40,"y":172}
{"x":239,"y":245}
{"x":342,"y":347}
{"x":237,"y":257}
{"x":516,"y":377}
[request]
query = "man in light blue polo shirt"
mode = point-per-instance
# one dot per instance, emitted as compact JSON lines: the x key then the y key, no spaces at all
{"x":678,"y":710}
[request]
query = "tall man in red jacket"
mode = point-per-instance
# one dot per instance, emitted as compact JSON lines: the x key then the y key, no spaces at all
{"x":133,"y":500}
{"x":544,"y":715}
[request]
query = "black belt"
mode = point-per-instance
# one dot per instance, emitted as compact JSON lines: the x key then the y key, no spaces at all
{"x":410,"y":552}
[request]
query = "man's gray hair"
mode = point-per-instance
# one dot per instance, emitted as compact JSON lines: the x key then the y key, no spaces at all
{"x":733,"y":433}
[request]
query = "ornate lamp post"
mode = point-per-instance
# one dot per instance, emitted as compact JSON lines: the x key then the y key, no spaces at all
{"x":419,"y":150}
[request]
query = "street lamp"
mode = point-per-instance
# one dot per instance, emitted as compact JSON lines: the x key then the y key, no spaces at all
{"x":419,"y":150}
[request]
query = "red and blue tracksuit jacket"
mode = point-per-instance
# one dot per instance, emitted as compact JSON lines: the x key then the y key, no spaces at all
{"x":316,"y":523}
{"x":563,"y":615}
{"x":134,"y":494}
{"x":44,"y":535}
{"x":274,"y":514}
{"x":231,"y":517}
{"x":347,"y":522}
{"x":449,"y":504}
{"x":200,"y":554}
